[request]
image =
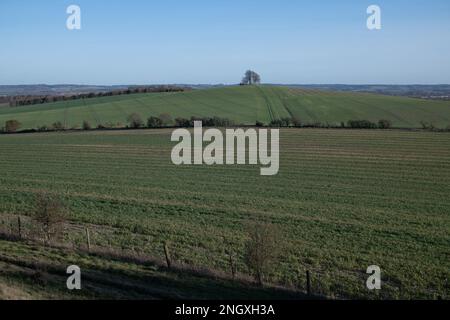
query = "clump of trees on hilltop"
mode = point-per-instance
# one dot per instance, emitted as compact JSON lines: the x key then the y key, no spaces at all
{"x":251,"y":77}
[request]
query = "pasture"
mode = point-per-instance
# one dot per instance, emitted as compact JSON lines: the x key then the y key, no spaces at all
{"x":343,"y":200}
{"x":244,"y":105}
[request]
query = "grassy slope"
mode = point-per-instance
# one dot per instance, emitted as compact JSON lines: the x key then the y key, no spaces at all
{"x":243,"y":104}
{"x":343,"y":200}
{"x":32,"y":271}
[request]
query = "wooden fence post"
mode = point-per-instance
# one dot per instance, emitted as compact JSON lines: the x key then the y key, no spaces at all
{"x":232,"y":266}
{"x":167,"y":254}
{"x":88,"y":239}
{"x":19,"y":224}
{"x":308,"y":283}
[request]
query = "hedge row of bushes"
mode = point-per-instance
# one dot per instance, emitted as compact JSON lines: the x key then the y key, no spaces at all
{"x":206,"y":122}
{"x":165,"y":120}
{"x":135,"y":121}
{"x":351,"y":124}
{"x":12,"y":126}
{"x":354,"y":124}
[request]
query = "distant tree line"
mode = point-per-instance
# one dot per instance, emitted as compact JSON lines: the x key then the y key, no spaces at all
{"x":17,"y":101}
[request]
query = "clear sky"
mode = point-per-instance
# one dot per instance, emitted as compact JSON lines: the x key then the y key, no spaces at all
{"x":215,"y":41}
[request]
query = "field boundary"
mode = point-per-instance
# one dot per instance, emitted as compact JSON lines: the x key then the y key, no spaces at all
{"x":135,"y":284}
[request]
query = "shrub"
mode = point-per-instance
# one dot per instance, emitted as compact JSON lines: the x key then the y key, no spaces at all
{"x":361,"y":124}
{"x":166,"y":119}
{"x":206,"y":122}
{"x":135,"y":121}
{"x":43,"y":128}
{"x":317,"y":124}
{"x":86,"y":125}
{"x":218,"y":122}
{"x":296,"y":122}
{"x":193,"y":119}
{"x":154,"y":122}
{"x":57,"y":126}
{"x":50,"y":215}
{"x":110,"y":125}
{"x":277,"y":123}
{"x":12,"y":126}
{"x":286,"y":122}
{"x":427,"y":126}
{"x":259,"y":124}
{"x":261,"y":249}
{"x":384,"y":124}
{"x":182,"y":123}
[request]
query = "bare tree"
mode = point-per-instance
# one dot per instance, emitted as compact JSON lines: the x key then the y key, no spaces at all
{"x":135,"y":120}
{"x":50,"y":214}
{"x":384,"y":124}
{"x":261,"y":249}
{"x":166,"y":119}
{"x":86,"y":125}
{"x":12,"y":126}
{"x":154,"y":122}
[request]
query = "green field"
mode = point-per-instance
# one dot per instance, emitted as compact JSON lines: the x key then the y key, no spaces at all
{"x":343,"y":200}
{"x":244,"y":105}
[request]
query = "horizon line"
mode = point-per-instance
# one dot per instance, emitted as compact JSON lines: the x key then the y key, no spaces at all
{"x":225,"y":84}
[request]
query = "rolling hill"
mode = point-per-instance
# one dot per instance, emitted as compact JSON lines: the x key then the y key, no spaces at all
{"x":244,"y":105}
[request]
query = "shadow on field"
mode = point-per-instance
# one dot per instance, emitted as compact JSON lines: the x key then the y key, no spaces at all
{"x":106,"y":275}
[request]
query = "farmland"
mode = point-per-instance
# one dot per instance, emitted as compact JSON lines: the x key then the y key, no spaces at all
{"x":343,"y":200}
{"x":244,"y":105}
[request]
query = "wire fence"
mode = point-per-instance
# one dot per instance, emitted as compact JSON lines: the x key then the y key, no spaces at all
{"x":313,"y":281}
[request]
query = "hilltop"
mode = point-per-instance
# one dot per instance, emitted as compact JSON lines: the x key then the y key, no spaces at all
{"x":242,"y":104}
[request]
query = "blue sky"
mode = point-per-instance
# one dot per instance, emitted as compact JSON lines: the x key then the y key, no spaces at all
{"x":215,"y":41}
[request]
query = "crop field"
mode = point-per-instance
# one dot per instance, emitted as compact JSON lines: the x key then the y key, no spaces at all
{"x":343,"y":200}
{"x":244,"y":105}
